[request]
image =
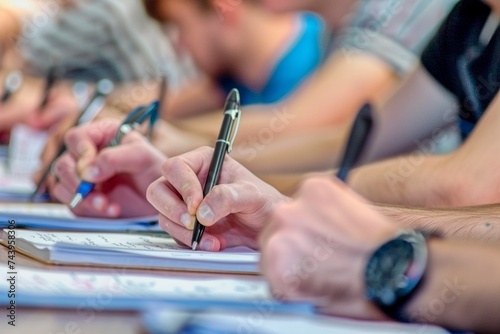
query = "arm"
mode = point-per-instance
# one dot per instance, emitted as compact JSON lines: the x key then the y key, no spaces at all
{"x":460,"y":290}
{"x":418,"y":109}
{"x":332,"y":96}
{"x":323,"y":262}
{"x":469,"y":176}
{"x":193,"y":98}
{"x":474,"y":223}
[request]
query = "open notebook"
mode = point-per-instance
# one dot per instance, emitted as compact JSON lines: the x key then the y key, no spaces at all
{"x":130,"y":250}
{"x":118,"y":290}
{"x":59,"y":217}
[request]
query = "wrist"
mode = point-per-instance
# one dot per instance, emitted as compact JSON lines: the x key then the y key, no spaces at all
{"x":395,"y":273}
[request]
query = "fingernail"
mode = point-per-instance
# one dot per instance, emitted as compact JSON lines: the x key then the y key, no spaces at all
{"x":91,"y":173}
{"x":207,"y":245}
{"x":206,"y":214}
{"x":112,"y":211}
{"x":98,"y":203}
{"x":187,"y":220}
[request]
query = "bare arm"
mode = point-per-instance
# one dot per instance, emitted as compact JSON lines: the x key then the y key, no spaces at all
{"x":419,"y":108}
{"x":194,"y":98}
{"x":331,"y":96}
{"x":461,"y":289}
{"x":466,"y":177}
{"x":472,"y":223}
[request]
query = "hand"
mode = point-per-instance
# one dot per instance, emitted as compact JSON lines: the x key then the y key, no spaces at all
{"x":234,"y":212}
{"x":122,"y":174}
{"x":24,"y":106}
{"x":316,"y":248}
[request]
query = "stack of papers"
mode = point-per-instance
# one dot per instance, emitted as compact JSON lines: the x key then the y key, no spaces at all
{"x":120,"y":291}
{"x":130,"y":250}
{"x":171,"y":320}
{"x":60,"y":217}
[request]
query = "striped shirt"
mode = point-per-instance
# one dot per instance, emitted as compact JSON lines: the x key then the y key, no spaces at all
{"x":99,"y":38}
{"x":396,"y":31}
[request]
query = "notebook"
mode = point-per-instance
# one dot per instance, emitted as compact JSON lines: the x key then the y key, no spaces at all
{"x":130,"y":250}
{"x":59,"y":217}
{"x":118,"y":290}
{"x":170,"y":320}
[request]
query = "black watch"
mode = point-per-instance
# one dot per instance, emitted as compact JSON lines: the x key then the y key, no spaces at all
{"x":394,"y":272}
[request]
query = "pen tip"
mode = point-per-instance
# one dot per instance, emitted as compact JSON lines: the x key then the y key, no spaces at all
{"x":75,"y":201}
{"x":195,"y":244}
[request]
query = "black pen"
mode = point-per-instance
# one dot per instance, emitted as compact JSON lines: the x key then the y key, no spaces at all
{"x":357,"y":140}
{"x":104,"y":88}
{"x":223,"y":145}
{"x":50,"y":80}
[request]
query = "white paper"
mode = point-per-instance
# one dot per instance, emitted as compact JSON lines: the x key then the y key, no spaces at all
{"x":59,"y":216}
{"x":144,"y":245}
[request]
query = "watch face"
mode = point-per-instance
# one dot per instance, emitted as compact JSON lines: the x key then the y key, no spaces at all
{"x":385,"y":273}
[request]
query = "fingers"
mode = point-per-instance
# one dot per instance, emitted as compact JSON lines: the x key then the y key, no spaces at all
{"x":169,"y":204}
{"x":84,"y":142}
{"x":134,"y":156}
{"x":209,"y":243}
{"x":96,"y":204}
{"x":186,"y":173}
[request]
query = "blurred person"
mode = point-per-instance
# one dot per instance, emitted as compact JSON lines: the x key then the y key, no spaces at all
{"x":374,"y":46}
{"x":431,"y":180}
{"x":266,"y":56}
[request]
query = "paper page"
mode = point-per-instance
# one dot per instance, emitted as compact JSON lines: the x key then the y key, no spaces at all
{"x":166,"y":321}
{"x":156,"y":246}
{"x":26,"y":145}
{"x":55,"y":284}
{"x":58,"y":212}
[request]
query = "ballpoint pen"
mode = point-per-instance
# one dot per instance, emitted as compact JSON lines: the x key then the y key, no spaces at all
{"x":13,"y":82}
{"x":162,"y":97}
{"x":91,"y":109}
{"x":357,"y":140}
{"x":223,"y":145}
{"x":133,"y":120}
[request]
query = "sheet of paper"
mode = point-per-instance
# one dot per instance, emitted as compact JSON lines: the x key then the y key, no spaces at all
{"x":55,"y":211}
{"x":66,"y":284}
{"x":170,"y":320}
{"x":117,"y":290}
{"x":58,"y":216}
{"x":26,"y":145}
{"x":154,"y":246}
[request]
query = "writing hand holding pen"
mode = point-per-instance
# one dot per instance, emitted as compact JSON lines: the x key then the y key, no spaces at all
{"x":88,"y":113}
{"x":133,"y":120}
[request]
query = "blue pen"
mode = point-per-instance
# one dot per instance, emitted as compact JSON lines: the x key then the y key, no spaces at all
{"x":137,"y":117}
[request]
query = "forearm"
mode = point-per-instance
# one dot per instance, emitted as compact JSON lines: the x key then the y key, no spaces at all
{"x":414,"y":180}
{"x":474,"y":223}
{"x":332,"y":96}
{"x":460,"y":290}
{"x":318,"y":150}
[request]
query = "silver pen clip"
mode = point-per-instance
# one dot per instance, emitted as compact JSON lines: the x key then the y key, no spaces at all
{"x":236,"y":116}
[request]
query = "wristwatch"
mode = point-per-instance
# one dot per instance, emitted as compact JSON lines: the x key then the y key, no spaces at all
{"x":394,"y":272}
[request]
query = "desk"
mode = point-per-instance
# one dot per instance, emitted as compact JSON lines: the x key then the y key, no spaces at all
{"x":51,"y":321}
